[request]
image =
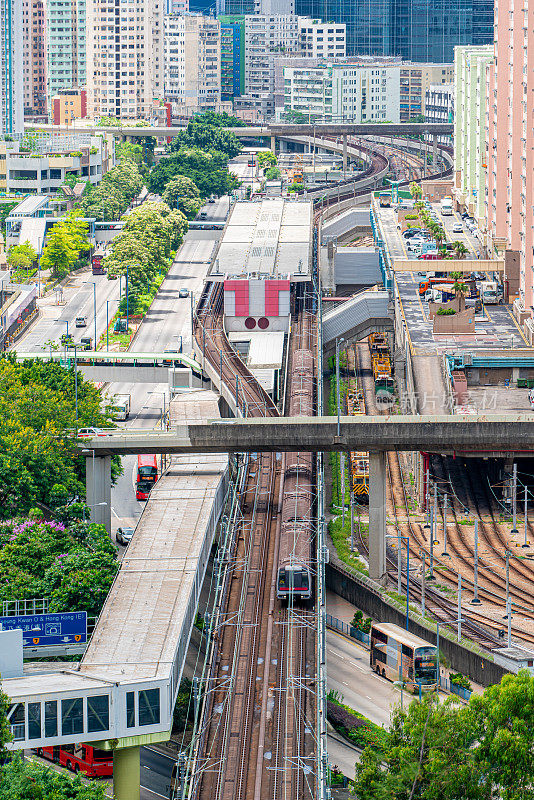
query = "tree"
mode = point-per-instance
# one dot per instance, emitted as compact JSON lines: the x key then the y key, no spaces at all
{"x":208,"y":170}
{"x":504,"y":723}
{"x":28,"y":780}
{"x":58,"y":254}
{"x":266,"y":158}
{"x":183,"y":194}
{"x":424,"y":740}
{"x":5,"y":730}
{"x":37,"y":424}
{"x":459,"y":249}
{"x":208,"y":138}
{"x":110,"y":199}
{"x":144,"y":247}
{"x":273,"y":174}
{"x":219,"y":120}
{"x":415,"y":190}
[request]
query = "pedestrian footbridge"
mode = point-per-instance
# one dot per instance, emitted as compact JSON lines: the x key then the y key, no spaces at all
{"x":123,"y":692}
{"x":365,"y":313}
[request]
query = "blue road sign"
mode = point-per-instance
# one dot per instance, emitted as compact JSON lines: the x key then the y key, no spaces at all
{"x":47,"y":629}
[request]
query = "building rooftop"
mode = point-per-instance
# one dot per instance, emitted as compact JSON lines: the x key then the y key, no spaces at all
{"x":270,"y":238}
{"x":30,"y":205}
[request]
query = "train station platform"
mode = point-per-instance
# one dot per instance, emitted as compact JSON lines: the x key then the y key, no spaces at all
{"x":123,"y":692}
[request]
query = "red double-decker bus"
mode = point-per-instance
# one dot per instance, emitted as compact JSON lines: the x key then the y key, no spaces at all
{"x":147,"y":475}
{"x":91,"y":761}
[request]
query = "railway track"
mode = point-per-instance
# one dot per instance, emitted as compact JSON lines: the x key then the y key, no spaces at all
{"x":478,"y":626}
{"x":259,"y":718}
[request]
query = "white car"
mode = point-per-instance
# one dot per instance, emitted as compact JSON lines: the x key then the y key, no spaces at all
{"x":457,"y":227}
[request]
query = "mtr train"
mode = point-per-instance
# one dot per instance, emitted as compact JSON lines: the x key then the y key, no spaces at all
{"x":297,"y":531}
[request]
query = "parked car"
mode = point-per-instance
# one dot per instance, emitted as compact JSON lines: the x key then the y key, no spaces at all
{"x":411,"y":232}
{"x":124,"y":535}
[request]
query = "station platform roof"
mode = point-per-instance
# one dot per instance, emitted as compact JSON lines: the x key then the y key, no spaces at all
{"x":268,"y":238}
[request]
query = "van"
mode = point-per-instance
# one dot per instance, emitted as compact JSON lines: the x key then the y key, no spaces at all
{"x":86,"y":342}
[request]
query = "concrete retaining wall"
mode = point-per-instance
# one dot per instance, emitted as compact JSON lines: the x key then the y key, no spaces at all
{"x":480,"y":669}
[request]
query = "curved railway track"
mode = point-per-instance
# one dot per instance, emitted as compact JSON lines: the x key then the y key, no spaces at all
{"x":478,"y":626}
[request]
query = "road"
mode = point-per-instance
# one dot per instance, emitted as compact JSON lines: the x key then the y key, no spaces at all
{"x":350,"y":675}
{"x":156,"y":770}
{"x":77,"y":300}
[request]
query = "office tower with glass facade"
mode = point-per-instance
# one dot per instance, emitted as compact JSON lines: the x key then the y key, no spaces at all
{"x":415,"y":30}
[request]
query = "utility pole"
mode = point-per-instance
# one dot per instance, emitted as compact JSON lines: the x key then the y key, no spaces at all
{"x":525,"y":543}
{"x":514,"y":499}
{"x":445,"y":525}
{"x":459,"y":606}
{"x":351,"y":522}
{"x":475,"y":600}
{"x":423,"y":579}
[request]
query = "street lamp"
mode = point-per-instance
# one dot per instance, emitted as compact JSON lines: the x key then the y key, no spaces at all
{"x":94,"y":308}
{"x":338,"y":342}
{"x":76,"y":381}
{"x":107,"y":326}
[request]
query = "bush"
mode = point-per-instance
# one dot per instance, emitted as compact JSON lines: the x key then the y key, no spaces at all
{"x":354,"y":726}
{"x":446,"y":312}
{"x":460,"y":680}
{"x":360,"y":623}
{"x":410,"y":216}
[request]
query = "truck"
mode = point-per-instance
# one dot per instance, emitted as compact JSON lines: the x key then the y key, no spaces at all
{"x":445,"y":207}
{"x":121,"y":406}
{"x":491,"y":292}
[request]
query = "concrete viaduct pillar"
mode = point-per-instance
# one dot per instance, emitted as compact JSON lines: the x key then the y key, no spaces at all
{"x":377,"y":516}
{"x":344,"y":154}
{"x":98,"y":488}
{"x":273,"y":143}
{"x":127,"y":773}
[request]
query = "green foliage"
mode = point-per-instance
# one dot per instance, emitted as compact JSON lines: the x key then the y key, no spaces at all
{"x":110,"y":199}
{"x":149,"y":236}
{"x":5,"y":730}
{"x":28,"y":780}
{"x":489,"y":744}
{"x":208,"y":170}
{"x":37,"y":416}
{"x":354,"y":726}
{"x":410,"y":216}
{"x":73,"y":564}
{"x":460,"y":680}
{"x":415,"y":190}
{"x":66,"y":243}
{"x":183,"y":709}
{"x":272,"y":174}
{"x":211,"y":138}
{"x":109,"y":122}
{"x":266,"y":158}
{"x":183,"y":194}
{"x":5,"y":211}
{"x":219,"y":120}
{"x":361,"y":624}
{"x":445,"y":312}
{"x":296,"y":186}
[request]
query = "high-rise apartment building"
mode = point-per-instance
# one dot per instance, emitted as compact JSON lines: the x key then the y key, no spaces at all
{"x":232,"y":58}
{"x":65,"y":42}
{"x":11,"y":71}
{"x":415,"y":78}
{"x":343,"y":92}
{"x":265,"y":35}
{"x":470,"y":129}
{"x":193,"y":60}
{"x":322,"y":39}
{"x":509,"y":155}
{"x":34,"y":57}
{"x":415,"y":30}
{"x":125,"y":57}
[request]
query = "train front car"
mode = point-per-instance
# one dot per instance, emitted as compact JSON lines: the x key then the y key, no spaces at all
{"x":295,"y":579}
